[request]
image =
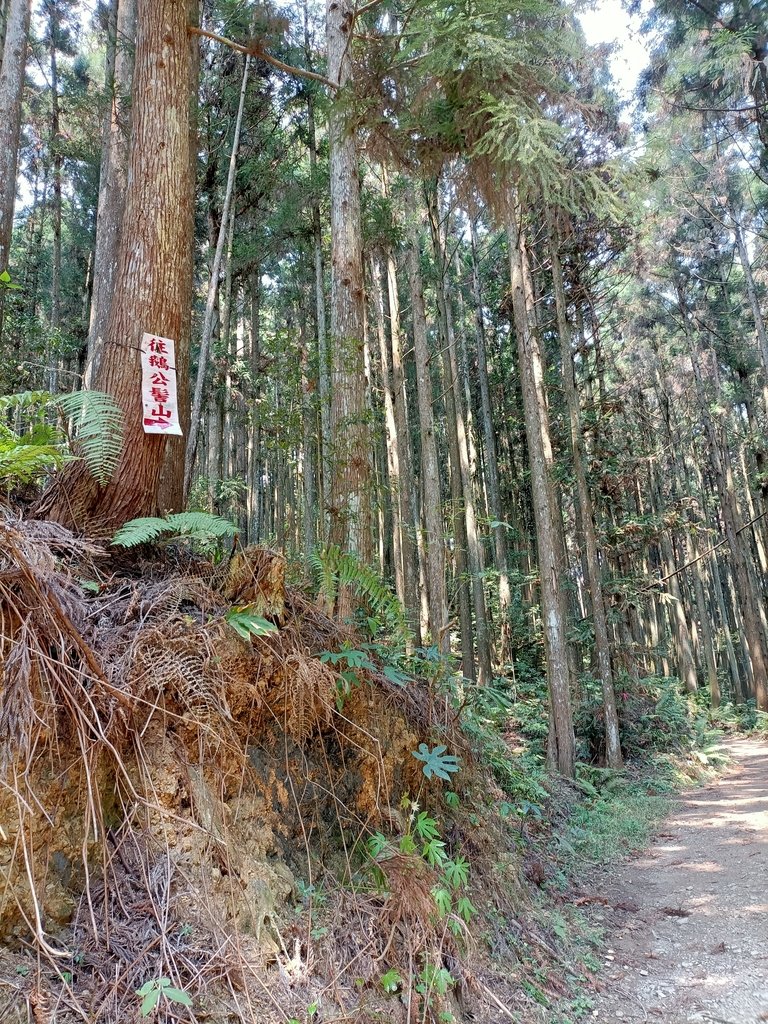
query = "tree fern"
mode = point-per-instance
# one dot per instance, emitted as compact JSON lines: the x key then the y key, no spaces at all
{"x":196,"y":526}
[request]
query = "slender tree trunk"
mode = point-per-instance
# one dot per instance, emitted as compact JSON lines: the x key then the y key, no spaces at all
{"x":392,"y":449}
{"x":602,"y":646}
{"x":721,"y":469}
{"x":113,"y":181}
{"x":153,"y":289}
{"x":308,"y":433}
{"x":463,"y":498}
{"x":323,"y":374}
{"x":434,"y":555}
{"x":491,"y":461}
{"x":255,"y":463}
{"x":213,"y":285}
{"x":350,"y":499}
{"x":402,"y":428}
{"x":707,"y":640}
{"x":757,"y":315}
{"x":733,"y":664}
{"x":14,"y":60}
{"x":562,"y":740}
{"x":52,"y":355}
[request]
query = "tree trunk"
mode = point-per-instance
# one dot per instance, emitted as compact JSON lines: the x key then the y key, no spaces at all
{"x":213,"y":285}
{"x":309,"y":539}
{"x":254,"y":478}
{"x":721,"y":469}
{"x":537,"y":430}
{"x":754,"y":304}
{"x":392,"y":449}
{"x":323,"y":372}
{"x":350,"y":499}
{"x":403,"y":441}
{"x":463,"y":498}
{"x":434,"y":554}
{"x":52,"y":354}
{"x":14,"y":59}
{"x":491,"y":461}
{"x":602,"y":646}
{"x":113,"y":180}
{"x":153,"y":286}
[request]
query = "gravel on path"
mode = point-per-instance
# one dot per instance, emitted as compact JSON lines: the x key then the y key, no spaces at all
{"x":690,"y":942}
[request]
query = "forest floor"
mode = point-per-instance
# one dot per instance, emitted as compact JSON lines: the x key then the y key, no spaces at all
{"x":687,"y":918}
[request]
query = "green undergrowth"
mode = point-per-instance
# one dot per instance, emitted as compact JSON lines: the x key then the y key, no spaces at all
{"x":739,"y":718}
{"x":563,"y":831}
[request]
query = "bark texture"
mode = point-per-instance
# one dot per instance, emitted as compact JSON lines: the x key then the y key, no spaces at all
{"x":153,"y":285}
{"x":113,"y":181}
{"x":562,"y":743}
{"x":14,"y":59}
{"x":350,"y":512}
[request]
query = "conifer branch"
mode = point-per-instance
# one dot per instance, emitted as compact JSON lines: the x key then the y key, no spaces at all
{"x":255,"y":50}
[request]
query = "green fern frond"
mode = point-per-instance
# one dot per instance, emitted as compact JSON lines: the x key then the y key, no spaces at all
{"x":22,"y":463}
{"x":98,"y":433}
{"x":198,"y":526}
{"x":320,"y":562}
{"x":335,"y":568}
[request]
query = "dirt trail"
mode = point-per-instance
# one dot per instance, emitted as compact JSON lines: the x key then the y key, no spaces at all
{"x":688,"y":918}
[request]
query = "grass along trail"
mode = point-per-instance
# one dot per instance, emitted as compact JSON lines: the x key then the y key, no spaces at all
{"x":690,"y":943}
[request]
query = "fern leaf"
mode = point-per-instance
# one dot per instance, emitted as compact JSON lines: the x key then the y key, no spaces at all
{"x":337,"y":568}
{"x":98,"y":430}
{"x":139,"y":531}
{"x":23,"y":463}
{"x":200,"y":526}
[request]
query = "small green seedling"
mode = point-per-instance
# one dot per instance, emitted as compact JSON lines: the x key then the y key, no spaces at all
{"x":391,"y":981}
{"x":151,"y":992}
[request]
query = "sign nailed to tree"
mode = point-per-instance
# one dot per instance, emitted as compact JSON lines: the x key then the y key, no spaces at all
{"x":158,"y":385}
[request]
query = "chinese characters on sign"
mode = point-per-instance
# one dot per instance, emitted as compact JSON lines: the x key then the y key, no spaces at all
{"x":158,"y":386}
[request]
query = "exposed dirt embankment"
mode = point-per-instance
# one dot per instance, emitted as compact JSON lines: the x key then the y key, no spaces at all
{"x":693,"y":947}
{"x":181,"y":802}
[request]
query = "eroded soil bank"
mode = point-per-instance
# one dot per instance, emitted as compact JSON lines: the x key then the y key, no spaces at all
{"x":690,"y":942}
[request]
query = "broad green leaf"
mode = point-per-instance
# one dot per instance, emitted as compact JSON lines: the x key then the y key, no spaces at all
{"x":177,"y":995}
{"x":150,"y":1001}
{"x":436,"y":761}
{"x":247,"y":625}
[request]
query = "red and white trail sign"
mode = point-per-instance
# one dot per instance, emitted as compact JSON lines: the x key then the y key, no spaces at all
{"x":158,"y":385}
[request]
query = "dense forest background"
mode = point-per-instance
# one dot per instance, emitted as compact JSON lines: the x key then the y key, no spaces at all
{"x":442,"y":301}
{"x":467,"y":510}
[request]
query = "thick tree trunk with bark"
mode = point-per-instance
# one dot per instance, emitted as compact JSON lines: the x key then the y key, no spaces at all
{"x":113,"y":180}
{"x":153,"y":286}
